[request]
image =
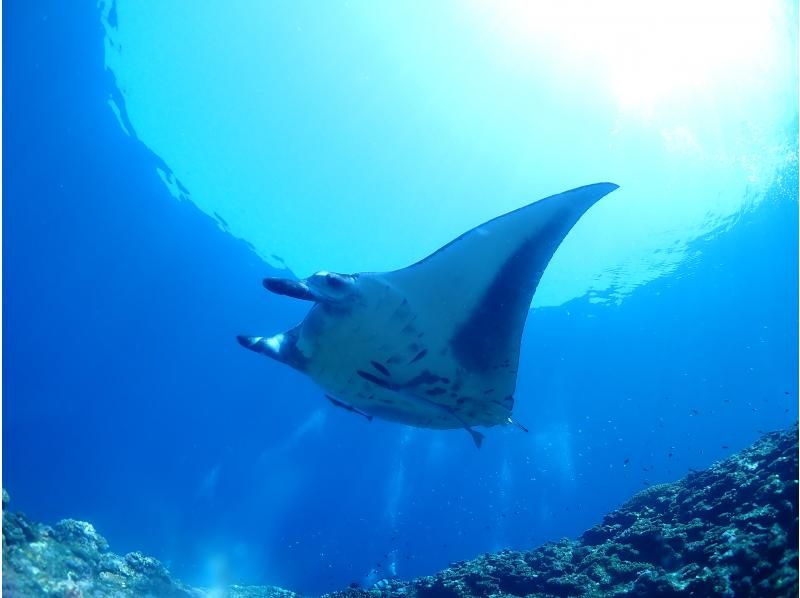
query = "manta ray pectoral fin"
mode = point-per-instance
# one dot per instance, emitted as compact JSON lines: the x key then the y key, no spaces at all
{"x":487,"y":277}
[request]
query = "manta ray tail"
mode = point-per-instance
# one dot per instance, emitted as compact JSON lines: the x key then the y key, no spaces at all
{"x":477,"y":437}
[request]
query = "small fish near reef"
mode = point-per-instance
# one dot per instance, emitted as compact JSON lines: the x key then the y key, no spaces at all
{"x":436,"y":344}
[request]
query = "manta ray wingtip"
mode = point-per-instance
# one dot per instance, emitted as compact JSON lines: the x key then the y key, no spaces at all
{"x":605,"y":187}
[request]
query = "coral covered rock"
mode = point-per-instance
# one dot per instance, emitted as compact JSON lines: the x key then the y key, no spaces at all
{"x":71,"y":560}
{"x":729,"y":531}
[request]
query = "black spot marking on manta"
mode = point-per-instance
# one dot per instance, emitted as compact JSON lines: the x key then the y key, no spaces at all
{"x":488,"y":391}
{"x":408,"y":329}
{"x":425,"y":378}
{"x":413,"y":347}
{"x":419,"y":356}
{"x":377,"y":381}
{"x":435,"y":391}
{"x":381,"y":368}
{"x":495,"y":325}
{"x":461,"y":401}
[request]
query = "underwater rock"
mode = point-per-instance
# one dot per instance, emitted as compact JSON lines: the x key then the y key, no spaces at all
{"x":71,"y":560}
{"x":731,"y":530}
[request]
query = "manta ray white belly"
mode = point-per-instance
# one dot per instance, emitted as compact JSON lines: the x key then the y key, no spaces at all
{"x":380,"y":355}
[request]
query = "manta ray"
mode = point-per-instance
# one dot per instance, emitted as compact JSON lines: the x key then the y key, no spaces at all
{"x":436,"y":344}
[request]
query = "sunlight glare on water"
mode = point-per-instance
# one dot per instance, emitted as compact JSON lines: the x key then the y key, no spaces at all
{"x":362,"y":136}
{"x":649,"y":54}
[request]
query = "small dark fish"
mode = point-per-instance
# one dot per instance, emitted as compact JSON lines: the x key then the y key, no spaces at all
{"x":724,"y":446}
{"x":626,"y":461}
{"x":695,"y":412}
{"x":222,"y":221}
{"x":786,"y":392}
{"x":519,"y":425}
{"x":347,"y":407}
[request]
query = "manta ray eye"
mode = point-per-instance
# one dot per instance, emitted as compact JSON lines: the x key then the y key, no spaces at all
{"x":334,"y":280}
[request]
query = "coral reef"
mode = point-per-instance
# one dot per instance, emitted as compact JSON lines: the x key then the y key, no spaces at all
{"x":71,"y":560}
{"x":729,"y":531}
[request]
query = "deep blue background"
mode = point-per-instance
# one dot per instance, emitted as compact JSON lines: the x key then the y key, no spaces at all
{"x":127,"y":401}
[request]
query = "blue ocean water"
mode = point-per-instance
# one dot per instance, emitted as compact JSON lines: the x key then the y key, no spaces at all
{"x":128,"y":403}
